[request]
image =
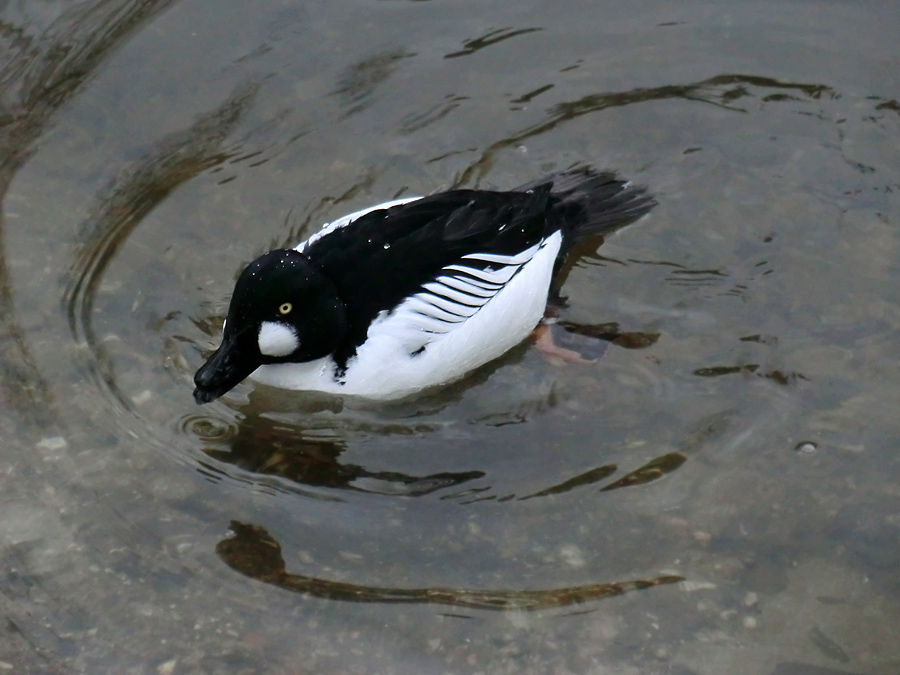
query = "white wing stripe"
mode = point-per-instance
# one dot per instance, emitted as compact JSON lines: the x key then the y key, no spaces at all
{"x":425,"y":308}
{"x":455,"y":308}
{"x":465,"y":286}
{"x":495,"y":277}
{"x":518,"y":259}
{"x":466,"y":299}
{"x":490,"y":288}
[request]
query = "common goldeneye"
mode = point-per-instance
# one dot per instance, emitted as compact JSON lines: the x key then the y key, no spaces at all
{"x":412,"y":293}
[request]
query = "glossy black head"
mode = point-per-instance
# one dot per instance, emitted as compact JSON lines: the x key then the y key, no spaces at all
{"x":283,"y":310}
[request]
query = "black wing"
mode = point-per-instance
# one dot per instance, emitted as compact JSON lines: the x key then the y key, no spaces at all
{"x":388,"y":255}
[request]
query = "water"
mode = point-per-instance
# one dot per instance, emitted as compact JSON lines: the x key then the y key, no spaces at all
{"x":653,"y":512}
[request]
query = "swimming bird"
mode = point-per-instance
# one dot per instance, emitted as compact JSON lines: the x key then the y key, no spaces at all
{"x":412,"y":293}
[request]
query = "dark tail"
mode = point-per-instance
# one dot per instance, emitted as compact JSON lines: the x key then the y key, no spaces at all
{"x":589,"y":203}
{"x":593,"y":203}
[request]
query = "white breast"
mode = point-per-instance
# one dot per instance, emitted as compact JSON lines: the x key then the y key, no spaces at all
{"x":412,"y":348}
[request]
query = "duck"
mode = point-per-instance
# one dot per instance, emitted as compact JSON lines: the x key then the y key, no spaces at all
{"x":414,"y":293}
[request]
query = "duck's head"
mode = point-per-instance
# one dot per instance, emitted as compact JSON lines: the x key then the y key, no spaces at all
{"x":283,"y":310}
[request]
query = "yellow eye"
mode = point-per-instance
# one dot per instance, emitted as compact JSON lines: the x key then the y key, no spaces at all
{"x":286,"y":308}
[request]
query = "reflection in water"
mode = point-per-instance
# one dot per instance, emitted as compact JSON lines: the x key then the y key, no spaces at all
{"x":23,"y":387}
{"x":529,"y":96}
{"x":721,"y":90}
{"x":490,"y":38}
{"x":253,"y":552}
{"x":174,"y":161}
{"x":777,"y":376}
{"x":306,"y":455}
{"x":419,"y":120}
{"x":39,"y":75}
{"x":586,"y":478}
{"x":260,"y":446}
{"x":610,"y":332}
{"x":651,"y":471}
{"x":362,"y":79}
{"x":725,"y":282}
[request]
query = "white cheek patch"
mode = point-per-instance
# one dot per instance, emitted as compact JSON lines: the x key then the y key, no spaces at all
{"x":277,"y":339}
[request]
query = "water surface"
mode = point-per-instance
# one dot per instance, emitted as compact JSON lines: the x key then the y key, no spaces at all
{"x":717,"y":493}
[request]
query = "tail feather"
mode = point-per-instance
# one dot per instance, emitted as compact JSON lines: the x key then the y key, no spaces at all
{"x":593,"y":203}
{"x":588,"y":203}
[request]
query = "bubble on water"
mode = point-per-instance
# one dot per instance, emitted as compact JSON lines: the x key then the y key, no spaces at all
{"x":208,"y":429}
{"x":806,"y":447}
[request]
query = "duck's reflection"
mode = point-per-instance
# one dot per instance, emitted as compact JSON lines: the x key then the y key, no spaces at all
{"x":258,"y":446}
{"x":262,"y":446}
{"x":253,"y":552}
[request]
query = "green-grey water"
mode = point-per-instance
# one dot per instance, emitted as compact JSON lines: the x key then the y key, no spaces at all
{"x":718,"y":493}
